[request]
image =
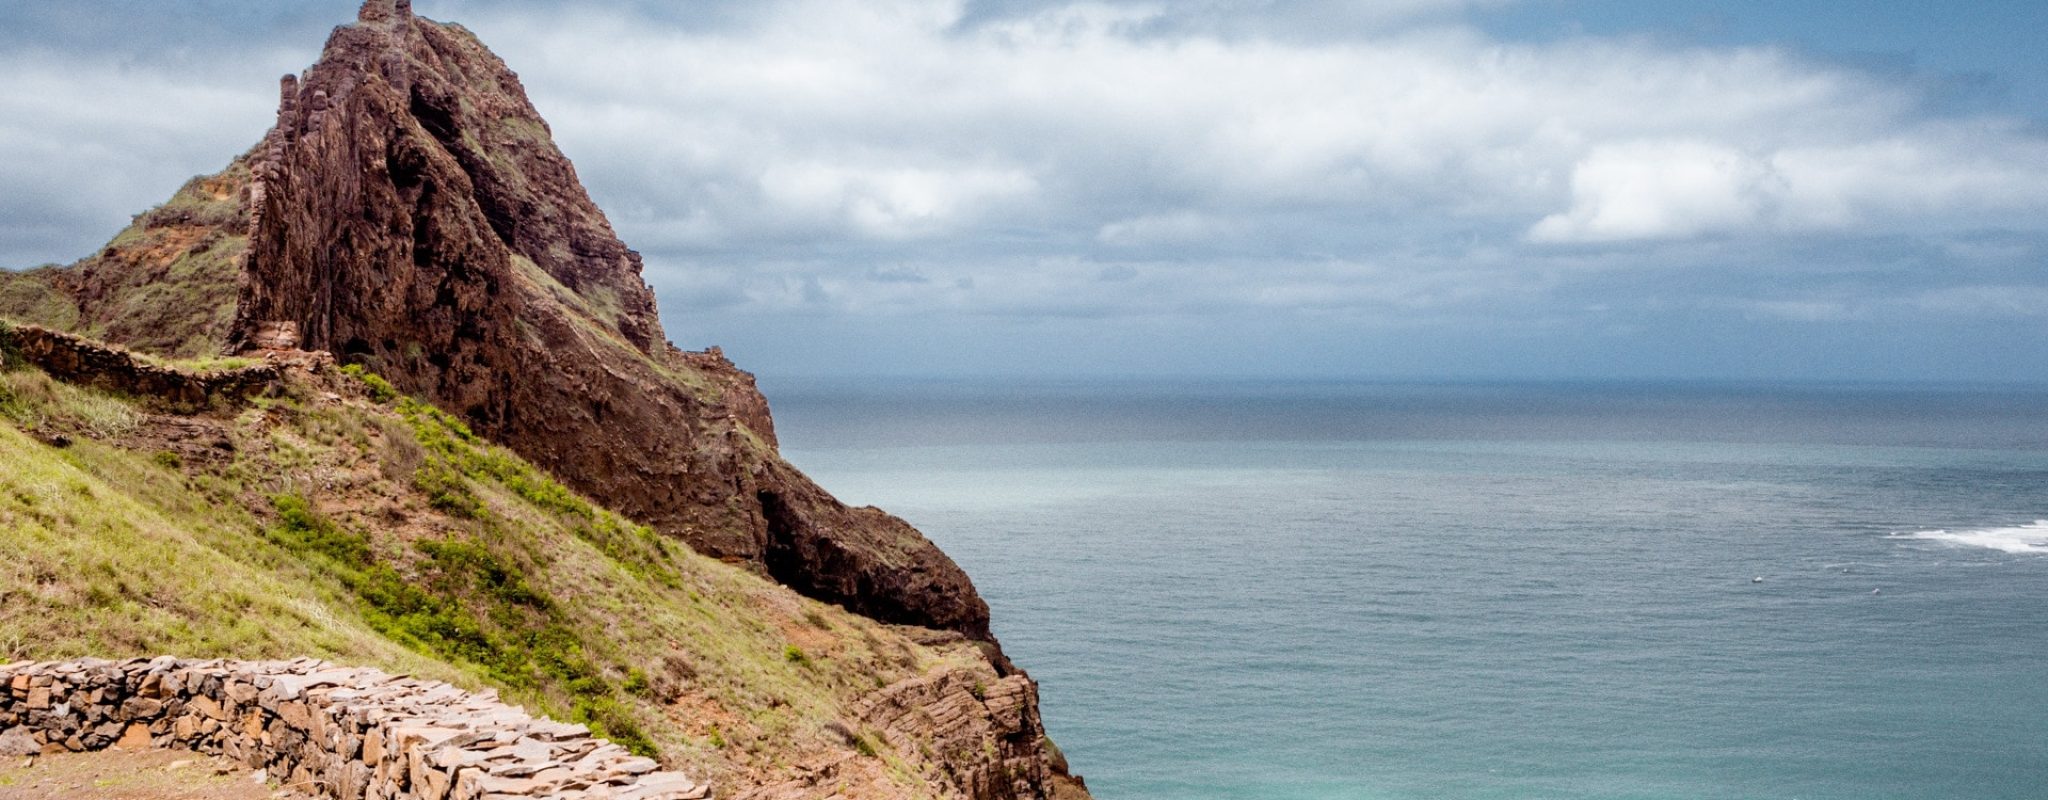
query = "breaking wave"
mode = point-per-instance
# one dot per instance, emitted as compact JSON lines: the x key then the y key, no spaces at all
{"x":2023,"y":539}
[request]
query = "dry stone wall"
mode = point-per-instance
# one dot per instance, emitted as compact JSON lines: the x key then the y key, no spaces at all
{"x":75,"y":359}
{"x":325,"y":730}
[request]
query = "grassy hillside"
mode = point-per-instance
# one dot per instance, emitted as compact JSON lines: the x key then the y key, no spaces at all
{"x":166,"y":284}
{"x":339,"y":520}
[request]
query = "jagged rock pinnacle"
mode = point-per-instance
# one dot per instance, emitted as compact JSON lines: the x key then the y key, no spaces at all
{"x":411,"y":213}
{"x":375,"y":11}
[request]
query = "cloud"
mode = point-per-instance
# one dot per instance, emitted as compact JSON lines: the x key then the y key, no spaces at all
{"x":85,"y":143}
{"x":916,"y":119}
{"x":1176,"y":160}
{"x":1985,"y":301}
{"x":1380,"y":164}
{"x":889,"y":202}
{"x":1917,"y":179}
{"x":1175,"y":227}
{"x":1655,"y":190}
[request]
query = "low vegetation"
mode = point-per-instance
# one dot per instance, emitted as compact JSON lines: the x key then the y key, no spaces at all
{"x":166,"y":284}
{"x":378,"y":530}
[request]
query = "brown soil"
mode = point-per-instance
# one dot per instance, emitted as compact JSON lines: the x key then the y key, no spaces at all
{"x":122,"y":775}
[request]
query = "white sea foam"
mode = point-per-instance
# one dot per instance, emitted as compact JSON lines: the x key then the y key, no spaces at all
{"x":2023,"y":539}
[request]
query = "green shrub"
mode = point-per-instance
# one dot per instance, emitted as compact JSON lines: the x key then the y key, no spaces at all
{"x":10,"y":350}
{"x":446,"y":490}
{"x":303,"y":530}
{"x":607,"y":718}
{"x":380,"y":390}
{"x":470,"y":605}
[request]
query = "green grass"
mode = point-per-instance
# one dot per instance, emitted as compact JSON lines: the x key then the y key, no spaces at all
{"x":380,"y":390}
{"x":466,"y":605}
{"x":33,"y":402}
{"x":320,"y":536}
{"x":32,"y":296}
{"x":166,"y":284}
{"x":193,"y":204}
{"x":204,"y":363}
{"x":95,"y":570}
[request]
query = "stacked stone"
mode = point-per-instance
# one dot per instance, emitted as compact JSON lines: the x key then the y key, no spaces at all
{"x":75,"y":359}
{"x":329,"y":731}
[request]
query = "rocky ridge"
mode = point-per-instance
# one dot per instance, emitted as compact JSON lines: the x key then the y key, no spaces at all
{"x":411,"y":213}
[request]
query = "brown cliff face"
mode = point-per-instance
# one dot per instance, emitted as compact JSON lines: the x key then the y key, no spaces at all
{"x":410,"y":212}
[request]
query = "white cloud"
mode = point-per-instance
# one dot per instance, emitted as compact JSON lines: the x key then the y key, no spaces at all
{"x":1984,"y":301}
{"x":1804,"y":310}
{"x":888,"y":203}
{"x":85,"y":144}
{"x":1926,"y":178}
{"x":907,"y":120}
{"x":1137,"y":158}
{"x":1661,"y":190}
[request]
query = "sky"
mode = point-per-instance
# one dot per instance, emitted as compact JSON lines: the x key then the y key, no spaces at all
{"x":1435,"y":189}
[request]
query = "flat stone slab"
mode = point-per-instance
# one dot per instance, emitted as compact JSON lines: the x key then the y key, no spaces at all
{"x":330,"y":731}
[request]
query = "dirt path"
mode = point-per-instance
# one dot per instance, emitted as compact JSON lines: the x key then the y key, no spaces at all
{"x":121,"y":775}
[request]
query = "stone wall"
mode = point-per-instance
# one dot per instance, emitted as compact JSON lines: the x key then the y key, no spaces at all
{"x":324,"y":730}
{"x":75,"y":359}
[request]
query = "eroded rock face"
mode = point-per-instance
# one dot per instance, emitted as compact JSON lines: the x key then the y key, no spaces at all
{"x":411,"y":212}
{"x":987,"y":735}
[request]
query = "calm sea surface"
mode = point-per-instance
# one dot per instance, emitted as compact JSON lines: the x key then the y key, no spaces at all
{"x":1284,"y":591}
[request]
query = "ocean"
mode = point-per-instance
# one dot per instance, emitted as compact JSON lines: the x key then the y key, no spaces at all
{"x":1385,"y":590}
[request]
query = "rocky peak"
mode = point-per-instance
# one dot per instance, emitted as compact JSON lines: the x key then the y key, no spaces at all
{"x":441,"y":82}
{"x":384,"y":11}
{"x":410,"y":212}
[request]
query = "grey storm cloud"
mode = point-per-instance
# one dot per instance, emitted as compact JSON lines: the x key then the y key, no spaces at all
{"x":1356,"y":166}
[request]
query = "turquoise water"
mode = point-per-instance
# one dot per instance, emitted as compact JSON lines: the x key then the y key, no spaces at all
{"x":1490,"y":591}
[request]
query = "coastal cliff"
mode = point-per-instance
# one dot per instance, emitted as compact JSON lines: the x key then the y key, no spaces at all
{"x":410,"y":214}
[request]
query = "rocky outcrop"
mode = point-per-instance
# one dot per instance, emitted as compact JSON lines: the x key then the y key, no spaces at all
{"x":410,"y":212}
{"x":987,"y":736}
{"x":334,"y":732}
